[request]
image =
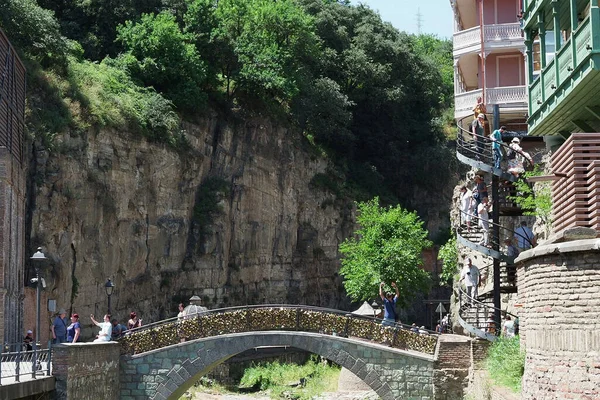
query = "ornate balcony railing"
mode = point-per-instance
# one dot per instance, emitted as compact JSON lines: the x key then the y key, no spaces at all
{"x":493,"y":36}
{"x":464,"y":102}
{"x":502,"y":32}
{"x":507,"y":95}
{"x":468,"y":37}
{"x":274,"y":317}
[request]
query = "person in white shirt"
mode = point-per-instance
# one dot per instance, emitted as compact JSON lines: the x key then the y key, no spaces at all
{"x":508,"y":329}
{"x":471,"y":277}
{"x":105,"y":329}
{"x":466,"y":206}
{"x":484,"y":221}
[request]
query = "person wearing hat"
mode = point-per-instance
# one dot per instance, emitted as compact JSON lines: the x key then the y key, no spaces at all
{"x":478,"y":131}
{"x":74,"y":329}
{"x":59,"y":327}
{"x":27,"y":340}
{"x":515,"y":157}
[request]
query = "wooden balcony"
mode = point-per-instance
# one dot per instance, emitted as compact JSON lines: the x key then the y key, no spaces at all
{"x":576,"y":198}
{"x":496,"y":37}
{"x":564,"y":97}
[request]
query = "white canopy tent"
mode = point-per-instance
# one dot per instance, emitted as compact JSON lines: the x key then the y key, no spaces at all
{"x":366,"y":310}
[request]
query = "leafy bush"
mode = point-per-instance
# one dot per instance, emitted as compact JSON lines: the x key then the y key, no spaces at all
{"x":449,"y":256}
{"x":113,"y":99}
{"x":506,"y":362}
{"x":316,"y":376}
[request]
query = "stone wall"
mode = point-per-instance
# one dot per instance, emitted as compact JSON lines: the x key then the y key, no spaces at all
{"x":559,"y":286}
{"x":86,"y":371}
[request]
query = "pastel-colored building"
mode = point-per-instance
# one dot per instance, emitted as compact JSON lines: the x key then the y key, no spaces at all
{"x":489,"y":60}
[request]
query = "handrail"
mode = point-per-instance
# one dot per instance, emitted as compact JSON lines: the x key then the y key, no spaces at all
{"x":483,"y":146}
{"x":463,"y":293}
{"x":16,"y":361}
{"x":282,"y":317}
{"x":463,"y":215}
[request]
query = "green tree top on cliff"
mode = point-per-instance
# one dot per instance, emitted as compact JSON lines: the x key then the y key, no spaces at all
{"x":387,"y":247}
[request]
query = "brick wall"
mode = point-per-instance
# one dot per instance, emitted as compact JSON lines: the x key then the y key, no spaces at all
{"x":12,"y":244}
{"x":451,"y":367}
{"x":86,"y":371}
{"x":559,"y":286}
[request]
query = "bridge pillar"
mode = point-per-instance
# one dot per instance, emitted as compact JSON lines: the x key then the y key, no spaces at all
{"x":87,"y":371}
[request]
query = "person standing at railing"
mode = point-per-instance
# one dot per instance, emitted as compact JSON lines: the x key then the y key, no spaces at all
{"x":59,"y":327}
{"x":74,"y":329}
{"x":496,"y":138}
{"x":389,"y":305}
{"x":472,"y":279}
{"x":134,"y":322}
{"x":27,"y":340}
{"x":484,"y":221}
{"x":525,"y":237}
{"x":478,"y":131}
{"x":466,"y":206}
{"x":480,"y":190}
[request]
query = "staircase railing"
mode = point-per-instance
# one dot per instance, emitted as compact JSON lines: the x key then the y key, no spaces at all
{"x":479,"y":147}
{"x":485,"y":329}
{"x":492,"y":241}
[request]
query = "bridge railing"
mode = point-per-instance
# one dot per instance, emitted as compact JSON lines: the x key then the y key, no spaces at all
{"x":278,"y":318}
{"x":16,"y":362}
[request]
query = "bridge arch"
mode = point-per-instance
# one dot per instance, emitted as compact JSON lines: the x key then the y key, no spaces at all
{"x":167,"y":373}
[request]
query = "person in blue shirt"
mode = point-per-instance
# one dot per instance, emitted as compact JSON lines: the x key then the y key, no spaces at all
{"x":389,"y":305}
{"x":496,"y":139}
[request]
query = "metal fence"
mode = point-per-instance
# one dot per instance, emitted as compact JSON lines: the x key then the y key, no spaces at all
{"x":17,"y":363}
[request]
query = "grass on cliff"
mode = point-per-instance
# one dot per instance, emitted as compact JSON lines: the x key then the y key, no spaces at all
{"x":506,"y":362}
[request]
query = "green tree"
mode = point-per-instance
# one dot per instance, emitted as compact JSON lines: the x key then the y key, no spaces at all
{"x":33,"y":30}
{"x":387,"y":247}
{"x":159,"y":54}
{"x":268,"y":42}
{"x":535,"y":200}
{"x":449,"y":255}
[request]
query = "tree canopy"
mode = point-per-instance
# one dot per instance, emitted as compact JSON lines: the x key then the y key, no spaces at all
{"x":386,"y":248}
{"x":371,"y":96}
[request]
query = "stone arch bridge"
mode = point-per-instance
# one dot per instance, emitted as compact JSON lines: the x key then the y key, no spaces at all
{"x":155,"y":363}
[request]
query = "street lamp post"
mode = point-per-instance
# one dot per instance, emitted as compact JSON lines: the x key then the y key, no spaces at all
{"x":109,"y":287}
{"x":37,"y":258}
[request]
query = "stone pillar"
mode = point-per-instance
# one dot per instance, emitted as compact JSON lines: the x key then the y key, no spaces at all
{"x":451,"y":367}
{"x":559,"y":286}
{"x":87,"y":371}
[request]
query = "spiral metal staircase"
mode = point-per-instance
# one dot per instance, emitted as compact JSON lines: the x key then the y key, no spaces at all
{"x":481,"y":316}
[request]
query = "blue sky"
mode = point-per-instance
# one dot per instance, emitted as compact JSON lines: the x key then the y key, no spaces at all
{"x":436,"y":15}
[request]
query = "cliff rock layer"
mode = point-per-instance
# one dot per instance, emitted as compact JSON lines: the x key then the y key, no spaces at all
{"x":234,"y":220}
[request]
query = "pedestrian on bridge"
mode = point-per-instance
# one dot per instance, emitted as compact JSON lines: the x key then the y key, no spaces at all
{"x":134,"y":322}
{"x":74,"y":329}
{"x":389,"y":305}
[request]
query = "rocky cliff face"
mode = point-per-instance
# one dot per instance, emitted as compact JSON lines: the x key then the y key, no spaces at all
{"x":108,"y":204}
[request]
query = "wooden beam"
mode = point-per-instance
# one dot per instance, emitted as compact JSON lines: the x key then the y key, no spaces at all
{"x":584,"y":126}
{"x":594,"y":110}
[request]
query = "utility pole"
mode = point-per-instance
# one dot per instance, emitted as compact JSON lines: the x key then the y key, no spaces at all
{"x":419,"y":21}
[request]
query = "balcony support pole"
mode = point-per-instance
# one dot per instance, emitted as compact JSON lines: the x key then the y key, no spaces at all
{"x":529,"y":61}
{"x":542,"y":36}
{"x":594,"y":23}
{"x":574,"y":20}
{"x":496,"y":246}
